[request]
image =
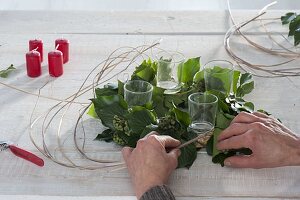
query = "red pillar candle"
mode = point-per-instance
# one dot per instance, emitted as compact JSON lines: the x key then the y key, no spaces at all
{"x":63,"y":46}
{"x":38,"y":45}
{"x":33,"y":64}
{"x":55,"y":63}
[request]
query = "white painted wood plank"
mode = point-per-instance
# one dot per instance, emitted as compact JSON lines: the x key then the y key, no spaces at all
{"x":92,"y":22}
{"x":133,"y":5}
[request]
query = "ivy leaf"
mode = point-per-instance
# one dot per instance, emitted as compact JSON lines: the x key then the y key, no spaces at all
{"x":139,"y":118}
{"x":91,"y":112}
{"x":187,"y":71}
{"x":246,"y":85}
{"x":6,"y":72}
{"x":264,"y":112}
{"x":106,"y":91}
{"x":218,"y":156}
{"x":217,"y":79}
{"x":188,"y":156}
{"x":182,"y":117}
{"x":294,"y":25}
{"x":199,"y":76}
{"x":216,"y":134}
{"x":148,"y":129}
{"x":146,"y":71}
{"x":106,"y":135}
{"x":288,"y":17}
{"x":132,"y":140}
{"x":236,"y":78}
{"x":120,"y":88}
{"x":223,"y":121}
{"x":210,"y":146}
{"x":297,"y":36}
{"x":107,"y":107}
{"x":245,"y":78}
{"x":246,"y":107}
{"x":158,"y":101}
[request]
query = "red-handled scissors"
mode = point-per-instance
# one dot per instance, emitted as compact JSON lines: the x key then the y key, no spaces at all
{"x":21,"y":153}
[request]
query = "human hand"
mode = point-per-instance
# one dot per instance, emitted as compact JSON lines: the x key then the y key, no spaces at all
{"x":149,"y":164}
{"x":272,"y":144}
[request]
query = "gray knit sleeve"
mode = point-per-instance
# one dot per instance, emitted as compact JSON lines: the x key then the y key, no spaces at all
{"x":161,"y":192}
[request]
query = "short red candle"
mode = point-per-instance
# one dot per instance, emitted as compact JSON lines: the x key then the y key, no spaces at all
{"x":38,"y":45}
{"x":55,"y":63}
{"x":33,"y":64}
{"x":63,"y":46}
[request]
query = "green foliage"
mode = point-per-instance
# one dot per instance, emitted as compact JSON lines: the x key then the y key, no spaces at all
{"x":106,"y":107}
{"x":106,"y":135}
{"x":246,"y":85}
{"x":294,"y":25}
{"x":188,"y":156}
{"x":140,"y":117}
{"x":91,"y":112}
{"x":187,"y":71}
{"x":145,"y":71}
{"x":6,"y":72}
{"x":167,"y":113}
{"x":288,"y":17}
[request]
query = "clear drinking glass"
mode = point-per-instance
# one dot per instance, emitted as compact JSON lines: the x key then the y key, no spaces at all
{"x":168,"y":65}
{"x":137,"y":92}
{"x":202,"y":109}
{"x":218,"y":75}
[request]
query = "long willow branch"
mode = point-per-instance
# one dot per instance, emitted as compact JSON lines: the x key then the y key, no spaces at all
{"x":106,"y":68}
{"x":269,"y":70}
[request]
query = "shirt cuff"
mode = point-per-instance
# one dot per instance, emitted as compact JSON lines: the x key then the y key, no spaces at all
{"x":160,"y":192}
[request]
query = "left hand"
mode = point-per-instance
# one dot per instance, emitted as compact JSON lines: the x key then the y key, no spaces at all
{"x":272,"y":144}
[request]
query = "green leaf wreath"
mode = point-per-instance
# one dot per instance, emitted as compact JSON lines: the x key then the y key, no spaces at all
{"x":167,"y":113}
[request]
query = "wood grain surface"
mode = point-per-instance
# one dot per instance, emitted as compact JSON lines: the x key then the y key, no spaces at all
{"x":93,"y":36}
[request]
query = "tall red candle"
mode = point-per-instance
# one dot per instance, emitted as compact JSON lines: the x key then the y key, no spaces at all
{"x":55,"y":63}
{"x":38,"y":45}
{"x":33,"y":64}
{"x":63,"y":46}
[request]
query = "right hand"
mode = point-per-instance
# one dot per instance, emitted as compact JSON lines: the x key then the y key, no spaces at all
{"x":272,"y":144}
{"x":149,"y":164}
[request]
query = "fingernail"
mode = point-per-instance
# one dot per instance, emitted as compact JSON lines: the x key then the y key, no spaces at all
{"x":227,"y":163}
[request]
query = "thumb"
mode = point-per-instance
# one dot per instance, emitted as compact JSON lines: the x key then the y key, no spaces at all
{"x":173,"y":157}
{"x":126,"y":152}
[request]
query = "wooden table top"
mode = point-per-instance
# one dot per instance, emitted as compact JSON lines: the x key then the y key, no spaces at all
{"x":93,"y":36}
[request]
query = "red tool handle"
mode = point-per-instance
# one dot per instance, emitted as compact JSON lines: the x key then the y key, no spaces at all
{"x":26,"y":155}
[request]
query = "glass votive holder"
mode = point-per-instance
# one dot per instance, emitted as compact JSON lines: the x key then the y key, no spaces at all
{"x":218,"y":76}
{"x":202,"y":109}
{"x":137,"y":92}
{"x":168,"y":65}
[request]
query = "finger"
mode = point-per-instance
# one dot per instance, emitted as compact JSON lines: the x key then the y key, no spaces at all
{"x":126,"y":152}
{"x":233,"y":130}
{"x":151,"y":133}
{"x":244,"y":117}
{"x":168,"y":141}
{"x":173,"y":157}
{"x":239,"y":161}
{"x":260,"y":114}
{"x":235,"y":142}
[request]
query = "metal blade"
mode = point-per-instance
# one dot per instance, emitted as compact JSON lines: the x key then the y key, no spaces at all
{"x":3,"y":146}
